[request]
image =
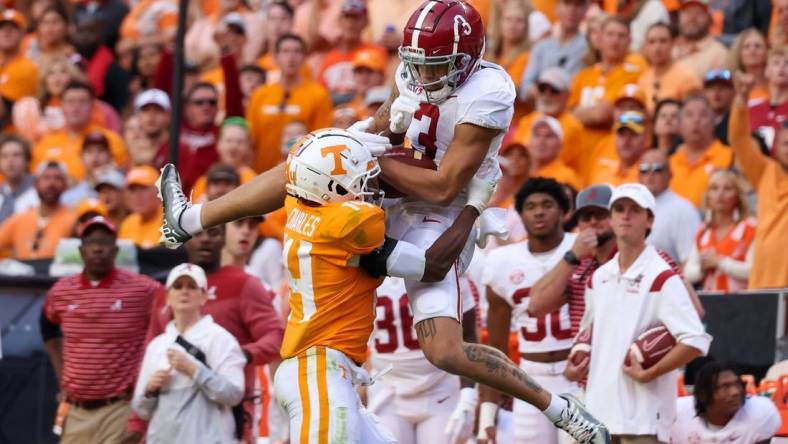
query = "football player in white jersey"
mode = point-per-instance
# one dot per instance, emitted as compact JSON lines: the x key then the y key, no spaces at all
{"x":456,"y":109}
{"x":414,"y":400}
{"x":544,"y":342}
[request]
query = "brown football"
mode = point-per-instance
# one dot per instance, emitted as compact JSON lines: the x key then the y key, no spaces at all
{"x":581,"y":349}
{"x":651,"y":346}
{"x":408,"y":156}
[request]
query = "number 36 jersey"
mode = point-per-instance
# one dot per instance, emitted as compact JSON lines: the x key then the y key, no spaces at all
{"x":510,"y":272}
{"x":394,"y":339}
{"x":486,"y":99}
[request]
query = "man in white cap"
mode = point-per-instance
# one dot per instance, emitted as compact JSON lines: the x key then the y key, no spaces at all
{"x":545,"y":148}
{"x":633,"y":292}
{"x":552,"y":96}
{"x":153,"y":108}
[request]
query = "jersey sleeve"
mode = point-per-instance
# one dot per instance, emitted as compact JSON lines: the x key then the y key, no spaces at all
{"x":766,"y":418}
{"x":487,"y":99}
{"x":676,"y":312}
{"x":361,"y":227}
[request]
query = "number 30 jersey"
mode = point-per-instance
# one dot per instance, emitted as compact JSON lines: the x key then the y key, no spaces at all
{"x":510,"y":272}
{"x":394,"y":339}
{"x":486,"y":99}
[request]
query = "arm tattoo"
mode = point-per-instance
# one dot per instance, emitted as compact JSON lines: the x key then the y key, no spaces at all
{"x":498,"y":364}
{"x":426,"y":329}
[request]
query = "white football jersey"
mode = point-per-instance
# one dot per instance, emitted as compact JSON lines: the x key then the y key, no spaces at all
{"x":757,"y":420}
{"x":486,"y":99}
{"x":511,"y":271}
{"x":394,"y":339}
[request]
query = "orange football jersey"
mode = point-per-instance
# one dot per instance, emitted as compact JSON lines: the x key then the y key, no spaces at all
{"x":332,"y":300}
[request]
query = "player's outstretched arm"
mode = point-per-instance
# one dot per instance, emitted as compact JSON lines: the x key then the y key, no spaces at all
{"x":263,"y":194}
{"x":463,"y":158}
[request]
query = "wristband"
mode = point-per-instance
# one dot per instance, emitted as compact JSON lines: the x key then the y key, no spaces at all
{"x":487,"y":413}
{"x":571,"y":258}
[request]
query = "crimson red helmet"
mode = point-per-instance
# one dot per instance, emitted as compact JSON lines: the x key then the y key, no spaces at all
{"x":442,"y":32}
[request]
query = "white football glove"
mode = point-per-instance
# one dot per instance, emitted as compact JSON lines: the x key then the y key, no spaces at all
{"x":402,"y":111}
{"x":377,"y":145}
{"x":460,"y":425}
{"x":479,"y":193}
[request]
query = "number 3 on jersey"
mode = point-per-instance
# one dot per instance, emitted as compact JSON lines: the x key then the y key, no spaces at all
{"x":430,"y":113}
{"x":395,"y":319}
{"x":540,"y":333}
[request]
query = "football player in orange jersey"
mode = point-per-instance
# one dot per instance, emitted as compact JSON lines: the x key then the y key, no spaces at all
{"x":332,"y":301}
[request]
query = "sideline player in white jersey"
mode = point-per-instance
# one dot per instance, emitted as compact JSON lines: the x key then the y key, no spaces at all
{"x":544,"y":341}
{"x":456,"y":108}
{"x":415,"y":399}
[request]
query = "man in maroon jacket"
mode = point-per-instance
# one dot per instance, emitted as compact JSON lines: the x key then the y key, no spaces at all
{"x":239,"y":303}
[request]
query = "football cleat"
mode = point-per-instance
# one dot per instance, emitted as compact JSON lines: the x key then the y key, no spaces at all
{"x":580,"y":425}
{"x":175,"y":203}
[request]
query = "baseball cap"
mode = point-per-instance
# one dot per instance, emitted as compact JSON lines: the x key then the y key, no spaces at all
{"x":638,"y":193}
{"x":552,"y":123}
{"x":193,"y":271}
{"x":43,"y":166}
{"x":377,"y":94}
{"x":594,"y":196}
{"x":152,"y":96}
{"x":91,"y":205}
{"x":142,"y":175}
{"x":631,"y":91}
{"x":235,"y":21}
{"x":96,"y":220}
{"x":632,"y":120}
{"x":717,"y":75}
{"x":15,"y":17}
{"x":702,"y":3}
{"x":556,"y":77}
{"x":221,"y":172}
{"x":369,"y":58}
{"x":355,"y":7}
{"x":111,"y":177}
{"x":95,"y":138}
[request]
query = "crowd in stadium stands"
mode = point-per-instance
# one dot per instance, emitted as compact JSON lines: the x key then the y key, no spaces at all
{"x":687,"y":97}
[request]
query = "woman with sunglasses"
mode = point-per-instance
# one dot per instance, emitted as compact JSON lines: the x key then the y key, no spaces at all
{"x":722,"y":254}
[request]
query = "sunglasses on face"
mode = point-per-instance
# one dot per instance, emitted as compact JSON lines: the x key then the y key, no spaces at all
{"x":645,"y":168}
{"x":630,"y":118}
{"x":717,"y":74}
{"x":204,"y":102}
{"x":544,"y":88}
{"x":586,"y":216}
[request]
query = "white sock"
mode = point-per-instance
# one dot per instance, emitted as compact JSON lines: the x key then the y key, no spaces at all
{"x":557,"y":405}
{"x":190,"y":219}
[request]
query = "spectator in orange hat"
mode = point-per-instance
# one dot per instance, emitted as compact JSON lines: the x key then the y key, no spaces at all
{"x":369,"y":71}
{"x":748,"y":54}
{"x":17,"y":192}
{"x":596,"y":88}
{"x":700,"y":154}
{"x":34,"y":234}
{"x":695,"y":46}
{"x":18,"y":74}
{"x":552,"y":95}
{"x":110,"y":82}
{"x":664,"y":78}
{"x":50,"y":37}
{"x":544,"y":148}
{"x":96,"y":158}
{"x":65,"y":145}
{"x":109,"y":189}
{"x":336,"y":70}
{"x":142,"y":225}
{"x":35,"y":116}
{"x":631,"y":141}
{"x":291,"y":98}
